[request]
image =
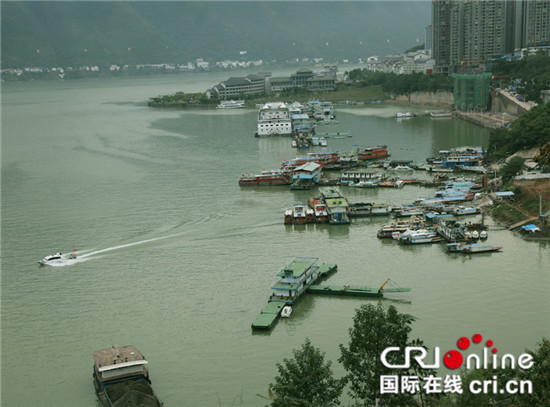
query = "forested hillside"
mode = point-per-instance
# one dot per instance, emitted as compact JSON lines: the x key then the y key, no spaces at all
{"x":55,"y":33}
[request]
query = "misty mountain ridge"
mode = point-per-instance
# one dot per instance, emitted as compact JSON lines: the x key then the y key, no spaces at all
{"x":52,"y":33}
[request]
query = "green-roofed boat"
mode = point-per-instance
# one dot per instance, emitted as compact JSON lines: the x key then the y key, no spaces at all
{"x":294,"y":280}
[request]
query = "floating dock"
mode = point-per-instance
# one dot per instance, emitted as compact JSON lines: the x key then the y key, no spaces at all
{"x":268,"y":316}
{"x":299,"y":278}
{"x":272,"y":311}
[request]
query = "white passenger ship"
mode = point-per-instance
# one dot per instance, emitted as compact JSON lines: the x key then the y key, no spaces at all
{"x":274,"y":119}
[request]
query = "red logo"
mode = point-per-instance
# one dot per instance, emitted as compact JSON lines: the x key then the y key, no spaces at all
{"x":453,"y":359}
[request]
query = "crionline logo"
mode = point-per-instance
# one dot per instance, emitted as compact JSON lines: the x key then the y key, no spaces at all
{"x":453,"y":359}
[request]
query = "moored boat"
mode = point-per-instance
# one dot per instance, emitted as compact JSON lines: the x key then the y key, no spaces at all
{"x":463,"y":210}
{"x":286,"y":311}
{"x":299,"y":214}
{"x":266,"y":177}
{"x":231,"y":104}
{"x":371,"y":183}
{"x":295,"y":278}
{"x":386,"y":231}
{"x":373,"y":153}
{"x":403,"y":115}
{"x":399,"y":184}
{"x":337,"y":206}
{"x":419,"y":236}
{"x":288,"y":216}
{"x":274,"y":119}
{"x":408,"y":211}
{"x":321,"y":215}
{"x":472,"y":248}
{"x":310,"y":215}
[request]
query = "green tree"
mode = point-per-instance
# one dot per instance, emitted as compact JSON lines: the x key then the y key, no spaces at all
{"x":539,"y":376}
{"x":306,"y":380}
{"x":529,"y":131}
{"x":470,"y":399}
{"x":375,"y":329}
{"x":512,"y":168}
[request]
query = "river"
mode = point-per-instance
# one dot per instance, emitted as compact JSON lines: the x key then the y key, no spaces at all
{"x":178,"y":260}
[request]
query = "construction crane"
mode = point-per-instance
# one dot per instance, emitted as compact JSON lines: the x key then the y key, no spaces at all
{"x":467,"y":61}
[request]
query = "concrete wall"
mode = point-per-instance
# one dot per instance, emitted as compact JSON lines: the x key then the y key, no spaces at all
{"x":439,"y":98}
{"x":503,"y":104}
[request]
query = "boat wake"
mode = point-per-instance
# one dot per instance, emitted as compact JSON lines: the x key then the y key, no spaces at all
{"x":124,"y":246}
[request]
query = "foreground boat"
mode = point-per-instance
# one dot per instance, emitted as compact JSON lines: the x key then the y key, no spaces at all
{"x":121,"y":378}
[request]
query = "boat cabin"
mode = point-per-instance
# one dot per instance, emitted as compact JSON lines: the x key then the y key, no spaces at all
{"x":119,"y":363}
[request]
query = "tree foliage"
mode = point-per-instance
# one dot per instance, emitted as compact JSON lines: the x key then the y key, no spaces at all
{"x":306,"y":380}
{"x":512,"y":168}
{"x":539,"y":375}
{"x":401,"y":84}
{"x":374,"y":329}
{"x":532,"y":72}
{"x":529,"y":131}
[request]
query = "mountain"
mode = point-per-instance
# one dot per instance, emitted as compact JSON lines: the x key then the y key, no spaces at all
{"x":63,"y":33}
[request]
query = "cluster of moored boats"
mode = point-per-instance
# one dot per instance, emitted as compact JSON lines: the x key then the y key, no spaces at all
{"x":308,"y":169}
{"x":462,"y":238}
{"x":427,"y":221}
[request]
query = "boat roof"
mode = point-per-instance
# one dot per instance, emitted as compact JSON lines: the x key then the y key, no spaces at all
{"x":308,"y":167}
{"x":298,"y":266}
{"x":118,"y":357}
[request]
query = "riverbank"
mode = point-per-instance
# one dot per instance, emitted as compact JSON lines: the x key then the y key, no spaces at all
{"x":199,"y":100}
{"x":485,"y":119}
{"x":525,"y":208}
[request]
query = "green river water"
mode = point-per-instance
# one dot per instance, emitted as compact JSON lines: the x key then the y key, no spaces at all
{"x":178,"y":260}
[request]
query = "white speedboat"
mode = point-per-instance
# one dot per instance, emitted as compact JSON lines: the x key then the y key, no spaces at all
{"x":286,"y":311}
{"x":52,"y":258}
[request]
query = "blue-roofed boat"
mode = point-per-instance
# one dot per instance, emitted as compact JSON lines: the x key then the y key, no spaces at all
{"x":299,"y":214}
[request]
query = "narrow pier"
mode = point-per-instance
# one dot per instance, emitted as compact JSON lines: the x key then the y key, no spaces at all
{"x":352,"y":291}
{"x":523,"y":222}
{"x":268,"y":316}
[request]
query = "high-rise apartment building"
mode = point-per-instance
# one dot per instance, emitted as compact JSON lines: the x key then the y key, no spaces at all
{"x":472,"y":31}
{"x":536,"y":27}
{"x":428,"y":38}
